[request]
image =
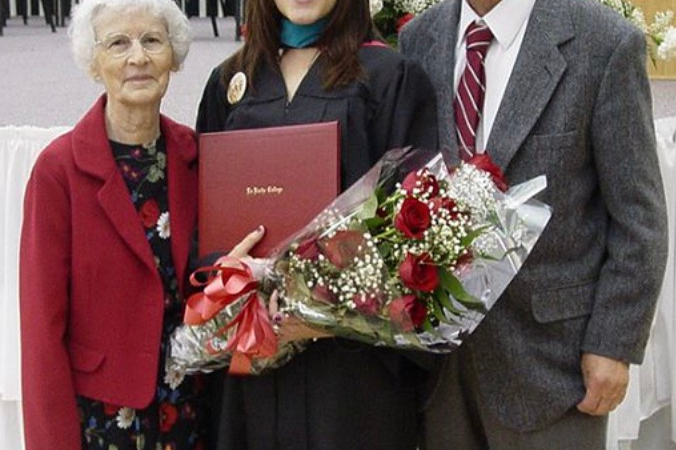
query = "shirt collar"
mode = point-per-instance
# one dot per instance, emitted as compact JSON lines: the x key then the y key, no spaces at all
{"x":505,"y":20}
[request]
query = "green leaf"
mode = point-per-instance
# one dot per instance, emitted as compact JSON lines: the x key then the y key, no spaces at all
{"x":373,"y":223}
{"x":437,"y":311}
{"x":161,"y":160}
{"x":368,"y":208}
{"x":385,"y":249}
{"x":445,"y":302}
{"x":454,"y":287}
{"x":472,"y":235}
{"x":427,"y":325}
{"x":155,"y":174}
{"x":140,"y":442}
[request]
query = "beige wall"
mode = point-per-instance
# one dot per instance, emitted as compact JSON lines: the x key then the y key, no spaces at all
{"x":661,"y":69}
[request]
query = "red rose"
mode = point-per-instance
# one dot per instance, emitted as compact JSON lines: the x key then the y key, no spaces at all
{"x":408,"y":311}
{"x":323,"y":294}
{"x":367,"y":304}
{"x":343,"y":247}
{"x":403,"y":20}
{"x":484,"y":162}
{"x":424,"y":181}
{"x":442,"y":203}
{"x":168,"y":416}
{"x":149,"y":213}
{"x":419,"y":273}
{"x":413,"y":218}
{"x":465,"y":259}
{"x":308,"y":249}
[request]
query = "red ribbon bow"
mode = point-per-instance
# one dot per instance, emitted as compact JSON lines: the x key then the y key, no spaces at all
{"x":254,"y":336}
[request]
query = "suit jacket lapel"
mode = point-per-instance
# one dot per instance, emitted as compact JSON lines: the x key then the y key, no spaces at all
{"x":182,"y":177}
{"x":439,"y":59}
{"x":94,"y":156}
{"x":536,"y":74}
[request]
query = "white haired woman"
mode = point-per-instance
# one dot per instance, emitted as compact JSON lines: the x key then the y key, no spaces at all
{"x":108,"y":223}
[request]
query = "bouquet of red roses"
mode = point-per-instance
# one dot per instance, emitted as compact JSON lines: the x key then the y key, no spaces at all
{"x":413,"y":255}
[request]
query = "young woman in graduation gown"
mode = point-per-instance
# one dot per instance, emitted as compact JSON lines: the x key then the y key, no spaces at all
{"x":308,"y":61}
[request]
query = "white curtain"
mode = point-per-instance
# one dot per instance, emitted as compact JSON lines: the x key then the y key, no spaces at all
{"x":652,"y":383}
{"x":19,"y":146}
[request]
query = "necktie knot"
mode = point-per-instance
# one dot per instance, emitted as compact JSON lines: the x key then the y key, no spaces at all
{"x":478,"y":37}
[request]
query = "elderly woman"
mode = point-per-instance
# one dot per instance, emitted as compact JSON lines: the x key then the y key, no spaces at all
{"x":317,"y":61}
{"x":110,"y":210}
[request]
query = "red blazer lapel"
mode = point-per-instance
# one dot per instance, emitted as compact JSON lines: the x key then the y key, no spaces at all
{"x":182,"y":175}
{"x":94,"y":156}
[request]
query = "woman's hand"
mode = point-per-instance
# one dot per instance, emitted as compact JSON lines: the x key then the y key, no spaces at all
{"x":242,"y":249}
{"x":290,"y":328}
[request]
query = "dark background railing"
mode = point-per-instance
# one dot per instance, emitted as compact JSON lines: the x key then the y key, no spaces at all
{"x":56,"y":12}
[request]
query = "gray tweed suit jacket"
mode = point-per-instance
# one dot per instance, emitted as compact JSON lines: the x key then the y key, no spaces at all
{"x":578,"y":109}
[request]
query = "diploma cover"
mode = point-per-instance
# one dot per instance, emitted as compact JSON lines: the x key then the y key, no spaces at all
{"x":279,"y":177}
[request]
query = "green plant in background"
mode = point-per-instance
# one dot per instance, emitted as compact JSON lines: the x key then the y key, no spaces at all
{"x":391,"y":15}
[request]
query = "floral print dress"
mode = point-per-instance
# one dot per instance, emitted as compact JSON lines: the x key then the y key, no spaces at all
{"x":173,"y":420}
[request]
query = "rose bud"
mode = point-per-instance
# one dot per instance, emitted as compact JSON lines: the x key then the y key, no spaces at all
{"x":403,"y":20}
{"x":419,"y":273}
{"x":465,"y":259}
{"x":308,"y":249}
{"x":323,"y":294}
{"x":484,"y":162}
{"x":408,"y":312}
{"x":446,"y":203}
{"x":424,"y":181}
{"x":367,"y":304}
{"x":343,"y":247}
{"x":413,"y":218}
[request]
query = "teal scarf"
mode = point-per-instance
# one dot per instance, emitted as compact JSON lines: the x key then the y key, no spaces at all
{"x":301,"y":36}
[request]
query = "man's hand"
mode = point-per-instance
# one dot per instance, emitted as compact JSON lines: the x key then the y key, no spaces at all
{"x":606,"y":380}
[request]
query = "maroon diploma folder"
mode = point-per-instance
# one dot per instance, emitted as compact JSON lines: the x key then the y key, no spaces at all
{"x":279,"y":177}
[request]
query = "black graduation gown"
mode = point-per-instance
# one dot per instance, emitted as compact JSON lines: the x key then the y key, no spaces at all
{"x":336,"y":395}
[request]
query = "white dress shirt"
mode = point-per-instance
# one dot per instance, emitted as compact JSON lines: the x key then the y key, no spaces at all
{"x":507,"y":21}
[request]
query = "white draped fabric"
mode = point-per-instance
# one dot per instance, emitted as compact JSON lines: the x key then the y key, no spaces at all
{"x":19,"y":146}
{"x":651,"y":384}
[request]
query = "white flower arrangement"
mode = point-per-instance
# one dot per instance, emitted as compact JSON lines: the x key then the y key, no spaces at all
{"x":391,"y":15}
{"x":660,"y":34}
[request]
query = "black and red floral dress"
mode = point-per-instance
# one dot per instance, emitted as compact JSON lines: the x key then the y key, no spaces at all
{"x":173,"y":421}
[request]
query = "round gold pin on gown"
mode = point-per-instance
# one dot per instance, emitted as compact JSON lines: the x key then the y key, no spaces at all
{"x":236,"y":88}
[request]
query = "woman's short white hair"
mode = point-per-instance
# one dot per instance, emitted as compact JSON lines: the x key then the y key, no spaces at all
{"x":83,"y":39}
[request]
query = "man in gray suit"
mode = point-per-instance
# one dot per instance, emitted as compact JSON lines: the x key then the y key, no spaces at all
{"x":566,"y":95}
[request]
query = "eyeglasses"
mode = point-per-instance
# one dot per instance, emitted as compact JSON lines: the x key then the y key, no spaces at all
{"x":119,"y":45}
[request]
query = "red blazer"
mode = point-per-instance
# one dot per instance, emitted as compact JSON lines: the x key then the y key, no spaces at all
{"x":91,"y":297}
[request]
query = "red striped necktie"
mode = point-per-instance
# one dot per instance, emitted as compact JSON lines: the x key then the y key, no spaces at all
{"x":469,"y":98}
